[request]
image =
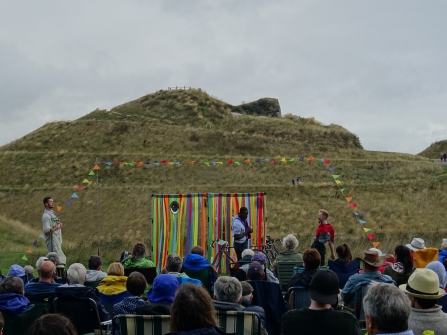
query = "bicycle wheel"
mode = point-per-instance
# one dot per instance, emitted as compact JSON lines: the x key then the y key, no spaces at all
{"x":270,"y":256}
{"x":216,"y":261}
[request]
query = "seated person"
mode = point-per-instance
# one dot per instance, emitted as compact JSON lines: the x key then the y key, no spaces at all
{"x":402,"y":269}
{"x":138,"y":259}
{"x":261,"y":258}
{"x":174,"y":266}
{"x":45,"y":286}
{"x":39,"y":262}
{"x":247,"y":297}
{"x":311,"y":263}
{"x":372,"y":261}
{"x":320,"y":318}
{"x":29,"y":273}
{"x":160,"y":296}
{"x":255,"y":271}
{"x":75,"y":288}
{"x":247,"y":255}
{"x":290,"y":242}
{"x":442,"y":253}
{"x":136,"y":285}
{"x":12,"y":299}
{"x":439,"y":269}
{"x":60,"y":268}
{"x":115,"y":282}
{"x":52,"y":324}
{"x":343,"y":253}
{"x":94,"y":272}
{"x":17,"y":271}
{"x":196,"y":266}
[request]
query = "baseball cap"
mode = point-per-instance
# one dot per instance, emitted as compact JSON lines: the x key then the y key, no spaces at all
{"x":255,"y":270}
{"x":259,"y":257}
{"x":324,"y":287}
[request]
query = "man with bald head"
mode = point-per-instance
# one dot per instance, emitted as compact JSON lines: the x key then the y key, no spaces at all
{"x":46,"y":285}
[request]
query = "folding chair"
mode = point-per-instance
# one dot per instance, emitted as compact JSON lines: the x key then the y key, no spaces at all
{"x":284,"y":271}
{"x":108,"y":300}
{"x":299,"y":297}
{"x":143,"y":324}
{"x":360,"y":292}
{"x":19,"y":324}
{"x":93,"y":284}
{"x":148,"y":273}
{"x":343,"y":272}
{"x":83,"y":313}
{"x":424,"y":256}
{"x":241,"y":323}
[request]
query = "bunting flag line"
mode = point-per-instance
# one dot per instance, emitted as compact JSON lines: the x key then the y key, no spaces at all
{"x":331,"y":169}
{"x":353,"y":205}
{"x":348,"y":199}
{"x":24,"y":258}
{"x":335,"y":176}
{"x":375,"y":244}
{"x":35,"y":243}
{"x":371,"y":237}
{"x":74,"y":196}
{"x":59,"y":208}
{"x":91,"y":173}
{"x":366,"y":230}
{"x":29,"y":251}
{"x":338,"y":182}
{"x":283,"y":160}
{"x":362,"y":221}
{"x":68,"y":202}
{"x":96,"y":167}
{"x":80,"y":187}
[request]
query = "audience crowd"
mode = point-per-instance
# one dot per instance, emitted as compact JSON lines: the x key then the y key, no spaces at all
{"x":384,"y":294}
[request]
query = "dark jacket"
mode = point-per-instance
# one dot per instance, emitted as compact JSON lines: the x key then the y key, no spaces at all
{"x":228,"y":306}
{"x":245,"y":260}
{"x":249,"y":307}
{"x":302,"y":279}
{"x":154,"y":309}
{"x":13,"y":303}
{"x":79,"y":292}
{"x":201,"y":331}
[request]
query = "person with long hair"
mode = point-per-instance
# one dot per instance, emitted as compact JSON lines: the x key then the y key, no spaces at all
{"x":52,"y":324}
{"x":139,"y":258}
{"x":401,"y":270}
{"x":193,"y":312}
{"x":344,"y":255}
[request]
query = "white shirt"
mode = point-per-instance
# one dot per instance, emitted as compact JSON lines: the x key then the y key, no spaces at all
{"x":238,"y":228}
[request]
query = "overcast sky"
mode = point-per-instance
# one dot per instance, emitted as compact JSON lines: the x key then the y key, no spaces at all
{"x":378,"y":68}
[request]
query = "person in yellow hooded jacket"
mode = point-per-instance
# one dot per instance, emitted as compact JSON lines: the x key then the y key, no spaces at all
{"x":115,"y":282}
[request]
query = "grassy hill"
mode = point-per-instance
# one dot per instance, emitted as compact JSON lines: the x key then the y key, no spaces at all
{"x":435,"y":149}
{"x":399,"y":195}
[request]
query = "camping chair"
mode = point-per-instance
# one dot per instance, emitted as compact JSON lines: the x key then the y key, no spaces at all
{"x":83,"y":313}
{"x":424,"y":256}
{"x":93,"y":284}
{"x":19,"y":324}
{"x":359,"y":312}
{"x":284,"y":271}
{"x":207,"y":276}
{"x":241,"y":323}
{"x":299,"y":297}
{"x":148,"y":273}
{"x":143,"y":324}
{"x":343,"y":272}
{"x":42,"y":298}
{"x":108,"y":300}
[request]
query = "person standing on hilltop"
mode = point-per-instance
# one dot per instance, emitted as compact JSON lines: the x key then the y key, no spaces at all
{"x":52,"y":228}
{"x":325,"y":233}
{"x":241,"y":232}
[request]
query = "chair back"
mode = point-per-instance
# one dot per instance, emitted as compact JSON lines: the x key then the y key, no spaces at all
{"x":424,"y":256}
{"x":241,"y":323}
{"x":108,"y":300}
{"x":143,"y":324}
{"x":284,"y":271}
{"x":19,"y":324}
{"x":148,"y":273}
{"x":299,"y":297}
{"x":343,"y":271}
{"x":360,"y":292}
{"x":207,"y":276}
{"x":82,"y":312}
{"x":42,"y":298}
{"x":93,"y":284}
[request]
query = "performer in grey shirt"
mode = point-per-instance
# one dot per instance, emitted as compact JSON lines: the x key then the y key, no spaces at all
{"x":52,"y":228}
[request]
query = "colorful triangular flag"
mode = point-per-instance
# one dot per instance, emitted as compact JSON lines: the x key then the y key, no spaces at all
{"x":96,"y":167}
{"x":35,"y":243}
{"x":371,"y":237}
{"x":302,"y":158}
{"x":191,"y":163}
{"x":157,"y":163}
{"x":68,"y":202}
{"x":283,"y":159}
{"x":366,"y":230}
{"x":206,"y":163}
{"x":331,"y":169}
{"x":327,"y":161}
{"x":230,"y":161}
{"x":91,"y":173}
{"x":247,"y":160}
{"x":29,"y":251}
{"x":129,"y":164}
{"x":139,"y":163}
{"x":266,"y":160}
{"x":362,"y":221}
{"x":258,"y":160}
{"x":176,"y":163}
{"x":375,"y":244}
{"x":272,"y":161}
{"x":74,"y":195}
{"x":164,"y":161}
{"x":237,"y":163}
{"x":342,"y":190}
{"x":356,"y":213}
{"x":147,"y":163}
{"x":291,"y":159}
{"x":214,"y":163}
{"x":41,"y":236}
{"x":109,"y":163}
{"x":310,"y":159}
{"x":80,"y":187}
{"x":348,"y":199}
{"x":85,"y":181}
{"x":24,"y":258}
{"x":59,"y":208}
{"x":171,"y":163}
{"x":219,"y":163}
{"x":335,"y":176}
{"x":353,"y":205}
{"x":338,"y":182}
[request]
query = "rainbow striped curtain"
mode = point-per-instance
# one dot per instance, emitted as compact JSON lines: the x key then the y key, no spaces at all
{"x":177,"y":232}
{"x":221,"y":210}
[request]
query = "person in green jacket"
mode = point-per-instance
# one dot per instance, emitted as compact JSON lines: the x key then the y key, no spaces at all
{"x":290,"y":242}
{"x":138,"y":259}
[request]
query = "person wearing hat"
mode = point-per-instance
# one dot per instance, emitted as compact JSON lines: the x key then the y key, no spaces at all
{"x":371,"y":263}
{"x":439,"y":269}
{"x":247,"y":297}
{"x":17,"y":271}
{"x":255,"y":271}
{"x":325,"y":233}
{"x":160,"y":296}
{"x":320,"y":317}
{"x":416,"y":244}
{"x":423,"y":290}
{"x":261,"y":258}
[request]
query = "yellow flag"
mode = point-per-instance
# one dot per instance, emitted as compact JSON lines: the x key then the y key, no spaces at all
{"x":283,"y":159}
{"x":220,"y":163}
{"x":171,"y":163}
{"x":366,"y":230}
{"x":338,"y":182}
{"x":59,"y":208}
{"x":348,"y":199}
{"x":375,"y":244}
{"x":85,"y":181}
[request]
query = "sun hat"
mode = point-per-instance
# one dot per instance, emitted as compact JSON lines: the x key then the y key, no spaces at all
{"x":163,"y":289}
{"x":324,"y":287}
{"x":423,"y":283}
{"x":378,"y":251}
{"x":255,"y":270}
{"x":259,"y":257}
{"x":373,"y":258}
{"x":16,"y":271}
{"x":417,"y":244}
{"x":439,"y":269}
{"x":247,"y":289}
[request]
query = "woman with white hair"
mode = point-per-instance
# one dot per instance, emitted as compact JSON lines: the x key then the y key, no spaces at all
{"x":290,"y":242}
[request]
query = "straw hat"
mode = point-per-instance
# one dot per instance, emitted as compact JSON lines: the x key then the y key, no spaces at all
{"x":423,"y":283}
{"x":373,"y":259}
{"x":417,"y":244}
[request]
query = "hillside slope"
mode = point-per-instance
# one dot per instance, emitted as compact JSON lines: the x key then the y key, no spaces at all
{"x":396,"y":193}
{"x":435,"y":149}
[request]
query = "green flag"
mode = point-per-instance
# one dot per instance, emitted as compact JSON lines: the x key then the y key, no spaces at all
{"x":335,"y":176}
{"x":24,"y":258}
{"x":91,"y":173}
{"x":292,"y":160}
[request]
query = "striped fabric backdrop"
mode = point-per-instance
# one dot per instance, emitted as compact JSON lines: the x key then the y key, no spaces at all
{"x":202,"y":218}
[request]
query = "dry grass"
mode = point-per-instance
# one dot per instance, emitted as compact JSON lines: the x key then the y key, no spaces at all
{"x":399,"y":195}
{"x":435,"y":149}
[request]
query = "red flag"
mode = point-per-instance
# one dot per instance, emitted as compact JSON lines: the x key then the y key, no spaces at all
{"x":371,"y":237}
{"x":191,"y":163}
{"x":139,"y":163}
{"x":230,"y":161}
{"x":164,"y":161}
{"x":80,"y":187}
{"x":272,"y":161}
{"x":353,"y":205}
{"x":327,"y":161}
{"x":117,"y":163}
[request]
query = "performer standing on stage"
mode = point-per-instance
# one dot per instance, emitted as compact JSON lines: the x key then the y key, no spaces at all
{"x":325,"y":233}
{"x":52,"y":228}
{"x":241,"y":232}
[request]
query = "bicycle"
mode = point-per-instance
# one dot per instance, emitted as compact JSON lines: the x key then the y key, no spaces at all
{"x":269,"y":249}
{"x":224,"y":249}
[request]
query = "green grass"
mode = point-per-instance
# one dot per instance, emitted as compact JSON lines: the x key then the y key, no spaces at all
{"x":399,"y":195}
